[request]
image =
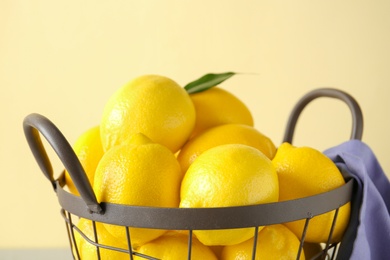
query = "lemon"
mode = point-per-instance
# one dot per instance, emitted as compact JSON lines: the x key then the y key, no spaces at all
{"x":217,"y":250}
{"x":273,"y":242}
{"x":88,"y":251}
{"x":303,"y":172}
{"x":224,"y":176}
{"x":89,"y":150}
{"x":174,"y":246}
{"x":139,"y":173}
{"x":153,"y":105}
{"x":216,"y":106}
{"x":224,"y":134}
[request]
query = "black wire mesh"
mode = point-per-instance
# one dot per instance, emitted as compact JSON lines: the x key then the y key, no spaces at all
{"x":329,"y":250}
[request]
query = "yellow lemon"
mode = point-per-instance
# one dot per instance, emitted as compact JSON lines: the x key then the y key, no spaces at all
{"x":224,"y":176}
{"x":216,"y":106}
{"x":174,"y":246}
{"x":89,"y":150}
{"x":217,"y":250}
{"x":303,"y":172}
{"x":273,"y":242}
{"x":224,"y":134}
{"x":88,"y":251}
{"x":138,"y":173}
{"x":153,"y":105}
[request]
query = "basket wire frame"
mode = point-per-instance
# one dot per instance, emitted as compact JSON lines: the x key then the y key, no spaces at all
{"x":329,"y":251}
{"x":86,"y":206}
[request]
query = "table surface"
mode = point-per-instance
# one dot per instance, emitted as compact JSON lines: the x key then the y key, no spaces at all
{"x":35,"y":254}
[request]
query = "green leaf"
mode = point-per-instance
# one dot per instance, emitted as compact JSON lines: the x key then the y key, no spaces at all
{"x":207,"y":81}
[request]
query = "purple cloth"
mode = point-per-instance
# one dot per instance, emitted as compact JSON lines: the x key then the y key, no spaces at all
{"x":368,"y":234}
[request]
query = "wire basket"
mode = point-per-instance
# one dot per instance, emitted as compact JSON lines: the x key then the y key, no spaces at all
{"x":188,"y":219}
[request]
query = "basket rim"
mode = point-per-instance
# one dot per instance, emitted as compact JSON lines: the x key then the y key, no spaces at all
{"x":208,"y":218}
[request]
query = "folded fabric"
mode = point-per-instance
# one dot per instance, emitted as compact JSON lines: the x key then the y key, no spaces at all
{"x":368,"y":233}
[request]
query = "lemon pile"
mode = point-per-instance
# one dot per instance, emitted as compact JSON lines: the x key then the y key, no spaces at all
{"x":160,"y":144}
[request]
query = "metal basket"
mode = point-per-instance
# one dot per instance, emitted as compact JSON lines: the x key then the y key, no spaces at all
{"x":189,"y":219}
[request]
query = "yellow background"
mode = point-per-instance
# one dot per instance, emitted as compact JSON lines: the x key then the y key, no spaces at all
{"x":63,"y":59}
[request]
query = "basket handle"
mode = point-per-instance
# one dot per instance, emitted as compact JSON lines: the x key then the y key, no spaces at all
{"x":36,"y":124}
{"x":357,"y":116}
